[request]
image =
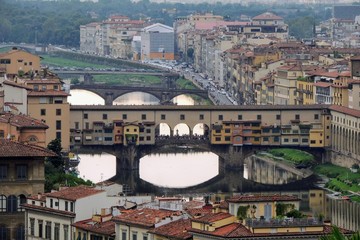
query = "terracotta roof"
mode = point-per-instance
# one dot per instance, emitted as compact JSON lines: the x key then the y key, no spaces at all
{"x":345,"y":110}
{"x":174,"y":230}
{"x":322,"y":84}
{"x":198,"y":212}
{"x":15,"y":149}
{"x":14,"y":84}
{"x":267,"y":16}
{"x":22,"y":121}
{"x":262,"y":198}
{"x":239,"y":231}
{"x":48,"y":93}
{"x":145,"y":217}
{"x":48,"y":210}
{"x":104,"y":228}
{"x":74,"y":193}
{"x":212,"y":217}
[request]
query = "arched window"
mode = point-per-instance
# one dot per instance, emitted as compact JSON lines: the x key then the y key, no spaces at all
{"x":32,"y":139}
{"x":21,"y":200}
{"x":2,"y":203}
{"x":12,"y":203}
{"x":4,"y":232}
{"x":20,"y":232}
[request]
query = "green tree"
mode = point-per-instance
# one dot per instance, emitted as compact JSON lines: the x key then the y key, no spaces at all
{"x":295,"y":214}
{"x":336,"y":234}
{"x":58,"y":161}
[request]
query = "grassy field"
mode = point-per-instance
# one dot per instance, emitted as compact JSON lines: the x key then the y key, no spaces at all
{"x":340,"y":179}
{"x":62,"y":62}
{"x":128,"y":79}
{"x":293,"y":155}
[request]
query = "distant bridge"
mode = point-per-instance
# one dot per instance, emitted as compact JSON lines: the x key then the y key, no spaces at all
{"x":110,"y":93}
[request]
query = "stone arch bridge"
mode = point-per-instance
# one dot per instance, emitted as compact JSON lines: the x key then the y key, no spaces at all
{"x":110,"y":93}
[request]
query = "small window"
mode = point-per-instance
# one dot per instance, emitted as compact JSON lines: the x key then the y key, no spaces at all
{"x":58,"y":112}
{"x":124,"y":116}
{"x":201,"y":116}
{"x":316,"y":116}
{"x":42,"y":112}
{"x":278,"y":116}
{"x":221,"y":117}
{"x":85,"y":116}
{"x":163,"y":116}
{"x":104,"y":117}
{"x":58,"y":124}
{"x":21,"y":171}
{"x":297,"y":116}
{"x":240,"y":117}
{"x":258,"y":117}
{"x":182,"y":117}
{"x":143,"y":116}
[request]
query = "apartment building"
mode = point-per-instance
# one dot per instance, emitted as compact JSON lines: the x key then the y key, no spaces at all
{"x":47,"y":101}
{"x":157,"y":42}
{"x":21,"y":175}
{"x":19,"y":62}
{"x":51,"y":215}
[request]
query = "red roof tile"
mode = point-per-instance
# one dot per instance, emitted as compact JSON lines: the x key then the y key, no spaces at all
{"x":345,"y":110}
{"x":22,"y":121}
{"x":48,"y":210}
{"x":48,"y":93}
{"x":145,"y":217}
{"x":104,"y":228}
{"x":74,"y":193}
{"x":14,"y":84}
{"x":262,"y":198}
{"x":15,"y":149}
{"x":212,"y":217}
{"x":177,"y":229}
{"x":198,"y":212}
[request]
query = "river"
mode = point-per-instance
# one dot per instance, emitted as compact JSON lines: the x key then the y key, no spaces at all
{"x":166,"y":170}
{"x":175,"y":170}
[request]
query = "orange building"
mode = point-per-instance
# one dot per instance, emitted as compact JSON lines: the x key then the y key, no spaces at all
{"x":18,"y":62}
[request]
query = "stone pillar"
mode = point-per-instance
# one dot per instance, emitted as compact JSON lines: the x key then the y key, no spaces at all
{"x":127,"y":158}
{"x":109,"y":98}
{"x":235,"y":157}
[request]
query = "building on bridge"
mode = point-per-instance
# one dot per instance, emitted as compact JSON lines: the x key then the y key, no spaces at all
{"x":230,"y":125}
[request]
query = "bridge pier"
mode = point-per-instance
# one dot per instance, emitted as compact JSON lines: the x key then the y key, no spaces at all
{"x":127,"y":158}
{"x":109,"y":98}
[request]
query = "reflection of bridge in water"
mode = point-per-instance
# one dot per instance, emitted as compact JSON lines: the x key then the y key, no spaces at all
{"x":229,"y":179}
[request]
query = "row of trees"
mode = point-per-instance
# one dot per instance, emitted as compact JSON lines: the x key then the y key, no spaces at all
{"x":57,"y":22}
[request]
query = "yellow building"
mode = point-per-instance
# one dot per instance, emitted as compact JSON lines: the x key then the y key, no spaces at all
{"x":304,"y":92}
{"x":48,"y":103}
{"x":131,"y":134}
{"x":19,"y":62}
{"x":22,"y":128}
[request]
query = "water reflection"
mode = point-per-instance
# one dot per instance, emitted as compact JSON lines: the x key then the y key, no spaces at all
{"x":178,"y":170}
{"x":136,"y":98}
{"x":97,"y":167}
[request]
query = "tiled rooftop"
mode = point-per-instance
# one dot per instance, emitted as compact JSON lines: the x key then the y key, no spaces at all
{"x":267,"y":16}
{"x":21,"y":121}
{"x":74,"y":193}
{"x":145,"y":217}
{"x":345,"y":110}
{"x":262,"y":198}
{"x":104,"y":228}
{"x":15,"y":149}
{"x":48,"y":210}
{"x":48,"y":93}
{"x":212,"y":217}
{"x":175,"y":230}
{"x":198,"y":212}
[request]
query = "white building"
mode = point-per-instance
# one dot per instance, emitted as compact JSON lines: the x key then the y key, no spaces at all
{"x":49,"y":216}
{"x":157,"y":42}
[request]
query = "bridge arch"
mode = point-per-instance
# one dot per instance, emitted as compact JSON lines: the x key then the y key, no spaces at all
{"x":148,"y":94}
{"x":94,"y":97}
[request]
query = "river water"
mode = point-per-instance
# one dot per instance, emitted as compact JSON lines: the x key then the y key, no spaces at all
{"x":175,"y":170}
